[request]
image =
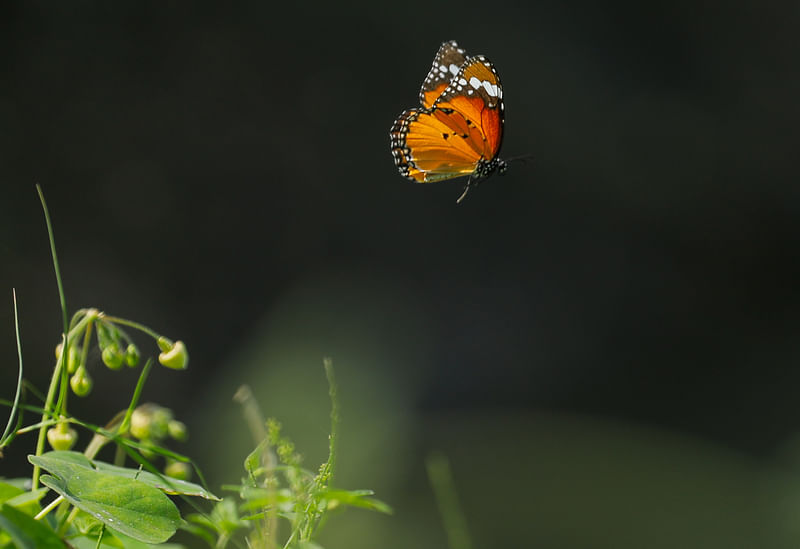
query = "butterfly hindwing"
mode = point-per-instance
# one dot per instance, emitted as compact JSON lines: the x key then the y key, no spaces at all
{"x":435,"y":144}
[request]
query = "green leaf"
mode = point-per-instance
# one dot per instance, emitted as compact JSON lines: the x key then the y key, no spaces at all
{"x":222,"y":520}
{"x":356,"y":498}
{"x":264,"y":497}
{"x":126,"y":542}
{"x":26,"y":532}
{"x":8,"y":491}
{"x":253,"y":460}
{"x":167,"y":484}
{"x":21,"y":483}
{"x":28,"y":502}
{"x":129,"y":506}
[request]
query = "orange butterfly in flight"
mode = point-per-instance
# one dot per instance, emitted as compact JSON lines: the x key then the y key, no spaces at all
{"x":459,"y":129}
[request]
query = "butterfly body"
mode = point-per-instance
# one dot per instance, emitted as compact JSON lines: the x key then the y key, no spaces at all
{"x":459,"y":128}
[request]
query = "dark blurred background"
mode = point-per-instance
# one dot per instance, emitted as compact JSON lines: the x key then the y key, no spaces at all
{"x":604,"y":341}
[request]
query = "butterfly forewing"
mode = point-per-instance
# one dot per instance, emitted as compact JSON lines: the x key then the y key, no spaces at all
{"x":445,"y":66}
{"x":476,"y":93}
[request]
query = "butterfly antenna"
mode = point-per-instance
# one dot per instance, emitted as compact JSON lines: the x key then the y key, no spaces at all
{"x":522,"y":157}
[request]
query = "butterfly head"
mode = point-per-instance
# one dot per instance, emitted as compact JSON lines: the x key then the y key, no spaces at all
{"x":488,"y":168}
{"x":484,"y":170}
{"x":502,"y":166}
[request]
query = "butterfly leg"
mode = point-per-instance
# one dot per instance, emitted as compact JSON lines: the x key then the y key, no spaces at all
{"x":466,"y":190}
{"x":472,"y":181}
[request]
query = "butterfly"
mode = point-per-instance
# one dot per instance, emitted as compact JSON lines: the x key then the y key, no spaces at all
{"x":459,"y":129}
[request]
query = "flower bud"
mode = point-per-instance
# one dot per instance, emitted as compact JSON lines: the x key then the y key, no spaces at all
{"x":132,"y":355}
{"x":73,"y":358}
{"x":333,"y":504}
{"x":164,"y":343}
{"x":151,"y":422}
{"x":113,"y":357}
{"x":80,"y":382}
{"x":175,"y":357}
{"x":178,"y":470}
{"x":140,"y":424}
{"x":177,"y":430}
{"x":159,"y":427}
{"x":146,"y":452}
{"x":62,"y":437}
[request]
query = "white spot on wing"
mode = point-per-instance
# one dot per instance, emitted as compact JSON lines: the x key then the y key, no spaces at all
{"x":474,"y":82}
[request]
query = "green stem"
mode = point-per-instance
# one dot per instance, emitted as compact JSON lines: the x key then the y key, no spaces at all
{"x":87,"y":341}
{"x":53,"y":504}
{"x":100,"y":537}
{"x":441,"y":479}
{"x":14,"y":408}
{"x":137,"y":393}
{"x":333,"y":392}
{"x":54,"y":381}
{"x":58,"y":372}
{"x":86,"y":321}
{"x":255,"y":421}
{"x":51,"y":235}
{"x":29,"y":428}
{"x":134,"y":325}
{"x":80,"y":313}
{"x":64,"y":525}
{"x":90,"y":316}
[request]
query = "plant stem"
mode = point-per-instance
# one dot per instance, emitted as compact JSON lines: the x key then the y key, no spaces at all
{"x":255,"y":421}
{"x":47,"y":405}
{"x":132,"y":324}
{"x":19,"y":376}
{"x":137,"y":393}
{"x":52,"y":238}
{"x":333,"y":392}
{"x":59,"y":373}
{"x":100,"y":537}
{"x":441,"y":479}
{"x":53,"y":504}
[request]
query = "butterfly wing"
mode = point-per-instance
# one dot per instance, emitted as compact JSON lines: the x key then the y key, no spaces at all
{"x":461,"y":132}
{"x":445,"y":66}
{"x":476,"y":93}
{"x":435,"y":144}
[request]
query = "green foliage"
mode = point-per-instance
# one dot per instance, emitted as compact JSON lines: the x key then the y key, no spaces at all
{"x":283,"y":504}
{"x":91,"y":503}
{"x":26,"y":532}
{"x":119,"y":501}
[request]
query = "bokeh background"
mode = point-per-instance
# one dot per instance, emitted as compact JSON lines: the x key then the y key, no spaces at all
{"x":604,"y":341}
